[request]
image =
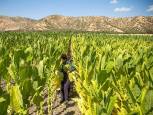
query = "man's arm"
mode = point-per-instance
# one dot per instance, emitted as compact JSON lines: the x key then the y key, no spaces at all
{"x":69,"y":52}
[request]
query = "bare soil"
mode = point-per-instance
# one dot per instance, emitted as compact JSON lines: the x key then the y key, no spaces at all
{"x":67,"y":108}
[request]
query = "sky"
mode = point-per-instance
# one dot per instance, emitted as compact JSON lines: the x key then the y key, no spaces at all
{"x":38,"y":9}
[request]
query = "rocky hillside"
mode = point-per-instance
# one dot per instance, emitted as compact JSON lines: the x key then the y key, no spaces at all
{"x":16,"y":23}
{"x":139,"y":24}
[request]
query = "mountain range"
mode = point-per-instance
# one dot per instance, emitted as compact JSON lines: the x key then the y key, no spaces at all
{"x":138,"y":24}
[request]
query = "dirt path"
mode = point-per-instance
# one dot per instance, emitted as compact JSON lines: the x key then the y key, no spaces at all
{"x":69,"y":108}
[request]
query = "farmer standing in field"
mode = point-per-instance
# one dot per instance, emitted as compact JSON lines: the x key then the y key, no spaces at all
{"x":66,"y":67}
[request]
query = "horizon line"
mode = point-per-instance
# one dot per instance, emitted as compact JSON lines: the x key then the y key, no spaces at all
{"x":76,"y":16}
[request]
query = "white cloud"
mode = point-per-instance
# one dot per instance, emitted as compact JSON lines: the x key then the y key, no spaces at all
{"x":114,"y":1}
{"x":122,"y":9}
{"x":150,"y":8}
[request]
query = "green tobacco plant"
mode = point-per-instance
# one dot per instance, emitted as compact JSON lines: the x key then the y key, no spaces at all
{"x":114,"y":76}
{"x":114,"y":73}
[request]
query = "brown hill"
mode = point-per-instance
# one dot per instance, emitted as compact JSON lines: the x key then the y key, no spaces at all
{"x":139,"y":24}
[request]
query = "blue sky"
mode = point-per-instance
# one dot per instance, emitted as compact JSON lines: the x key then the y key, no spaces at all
{"x":37,"y":9}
